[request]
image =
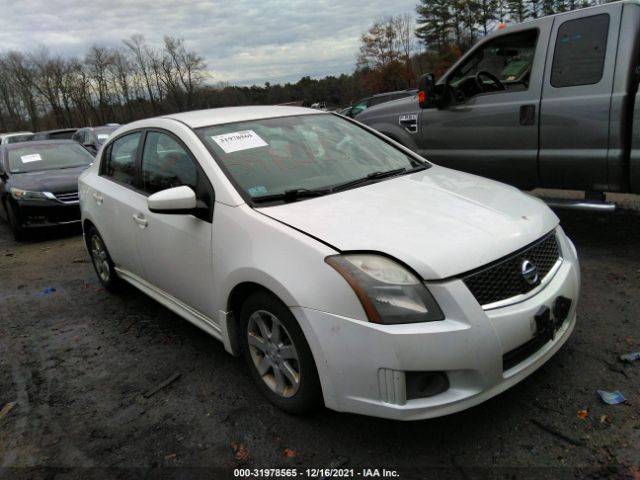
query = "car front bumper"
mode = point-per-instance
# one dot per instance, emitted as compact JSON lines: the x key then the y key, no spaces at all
{"x":363,"y":366}
{"x":40,"y":214}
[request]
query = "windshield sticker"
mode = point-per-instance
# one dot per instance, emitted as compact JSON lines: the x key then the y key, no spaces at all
{"x":103,"y":136}
{"x":259,"y":190}
{"x":35,"y":157}
{"x":238,"y":141}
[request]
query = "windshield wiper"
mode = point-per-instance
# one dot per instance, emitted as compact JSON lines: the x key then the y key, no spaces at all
{"x":367,"y":179}
{"x":293,"y":195}
{"x":418,"y":168}
{"x":296,"y":194}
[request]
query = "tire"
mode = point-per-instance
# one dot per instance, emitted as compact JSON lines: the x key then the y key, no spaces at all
{"x":280,"y":360}
{"x":101,"y":260}
{"x":14,"y":222}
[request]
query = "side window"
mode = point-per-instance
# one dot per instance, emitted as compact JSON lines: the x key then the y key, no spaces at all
{"x":379,"y":100}
{"x":166,"y":164}
{"x":358,"y":108}
{"x":502,"y":65}
{"x":580,"y":51}
{"x":120,"y":159}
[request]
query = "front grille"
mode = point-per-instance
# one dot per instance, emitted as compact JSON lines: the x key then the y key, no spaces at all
{"x":67,"y":197}
{"x":503,"y":279}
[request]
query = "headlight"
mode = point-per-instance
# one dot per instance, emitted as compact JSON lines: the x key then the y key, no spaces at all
{"x":20,"y":194}
{"x":389,"y":293}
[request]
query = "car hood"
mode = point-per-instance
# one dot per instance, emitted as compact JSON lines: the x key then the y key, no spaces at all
{"x":394,"y":107}
{"x":54,"y":181}
{"x":440,"y":222}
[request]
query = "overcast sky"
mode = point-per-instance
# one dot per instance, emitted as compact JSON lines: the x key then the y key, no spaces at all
{"x":243,"y":41}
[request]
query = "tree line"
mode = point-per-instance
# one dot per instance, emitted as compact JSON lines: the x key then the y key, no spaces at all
{"x":40,"y":90}
{"x":443,"y":23}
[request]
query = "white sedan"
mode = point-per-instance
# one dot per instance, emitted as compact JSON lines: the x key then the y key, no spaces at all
{"x":346,"y":269}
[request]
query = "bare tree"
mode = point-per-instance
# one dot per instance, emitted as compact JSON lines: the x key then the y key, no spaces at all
{"x":141,"y":56}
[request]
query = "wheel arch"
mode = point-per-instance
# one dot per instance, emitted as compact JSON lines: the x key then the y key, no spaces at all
{"x":86,"y":225}
{"x":236,"y":298}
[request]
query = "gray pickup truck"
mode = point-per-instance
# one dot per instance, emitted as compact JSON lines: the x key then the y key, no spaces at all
{"x":549,"y":103}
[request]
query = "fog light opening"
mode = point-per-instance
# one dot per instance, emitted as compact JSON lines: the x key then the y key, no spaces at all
{"x":425,"y":384}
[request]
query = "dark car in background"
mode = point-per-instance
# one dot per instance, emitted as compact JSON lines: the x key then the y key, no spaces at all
{"x":39,"y":183}
{"x":60,"y":134}
{"x":93,"y":137}
{"x":361,"y":105}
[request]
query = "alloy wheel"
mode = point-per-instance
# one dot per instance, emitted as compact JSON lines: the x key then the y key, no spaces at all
{"x":273,"y":353}
{"x":100,"y":258}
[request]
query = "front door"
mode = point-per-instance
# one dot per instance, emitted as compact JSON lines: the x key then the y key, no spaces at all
{"x":490,"y":126}
{"x":176,"y":249}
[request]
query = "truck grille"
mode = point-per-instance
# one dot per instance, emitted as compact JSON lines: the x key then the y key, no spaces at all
{"x":68,"y":197}
{"x":503,"y":279}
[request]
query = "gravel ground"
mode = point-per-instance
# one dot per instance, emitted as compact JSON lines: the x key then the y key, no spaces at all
{"x":77,"y":362}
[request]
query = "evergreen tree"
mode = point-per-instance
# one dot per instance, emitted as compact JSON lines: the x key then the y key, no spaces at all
{"x":434,"y":23}
{"x":520,"y":10}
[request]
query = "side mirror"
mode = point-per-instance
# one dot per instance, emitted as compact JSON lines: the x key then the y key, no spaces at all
{"x":176,"y":201}
{"x":427,"y":91}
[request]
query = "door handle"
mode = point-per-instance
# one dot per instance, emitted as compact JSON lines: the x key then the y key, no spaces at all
{"x":409,"y":122}
{"x":98,"y":198}
{"x":527,"y":115}
{"x":140,"y":220}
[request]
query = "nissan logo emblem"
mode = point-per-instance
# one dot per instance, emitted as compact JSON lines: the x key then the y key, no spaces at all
{"x":529,"y":272}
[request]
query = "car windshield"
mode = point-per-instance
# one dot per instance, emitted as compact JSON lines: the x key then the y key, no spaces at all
{"x":306,"y":152}
{"x":103,"y":133}
{"x":19,"y":138}
{"x":35,"y":158}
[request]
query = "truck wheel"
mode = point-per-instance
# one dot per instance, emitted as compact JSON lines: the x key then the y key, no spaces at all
{"x":102,"y":263}
{"x":278,"y":355}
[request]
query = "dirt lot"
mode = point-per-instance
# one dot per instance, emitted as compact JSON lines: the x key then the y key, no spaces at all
{"x":78,"y":360}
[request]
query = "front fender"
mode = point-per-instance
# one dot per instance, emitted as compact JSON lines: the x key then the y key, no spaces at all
{"x":250,"y":247}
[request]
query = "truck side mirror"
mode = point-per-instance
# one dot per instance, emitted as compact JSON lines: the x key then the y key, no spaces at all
{"x":427,"y":91}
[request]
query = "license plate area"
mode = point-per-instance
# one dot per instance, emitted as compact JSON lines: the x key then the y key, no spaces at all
{"x":548,"y":321}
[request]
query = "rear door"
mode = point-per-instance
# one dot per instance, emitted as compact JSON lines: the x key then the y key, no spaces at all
{"x":114,"y":199}
{"x":576,"y":100}
{"x":493,"y":133}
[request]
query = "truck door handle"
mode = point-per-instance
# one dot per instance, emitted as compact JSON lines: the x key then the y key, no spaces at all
{"x":409,"y":122}
{"x":140,"y":220}
{"x":527,"y":115}
{"x":98,"y":198}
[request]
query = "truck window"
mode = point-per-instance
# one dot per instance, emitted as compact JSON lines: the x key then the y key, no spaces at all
{"x":580,"y":51}
{"x":501,"y":65}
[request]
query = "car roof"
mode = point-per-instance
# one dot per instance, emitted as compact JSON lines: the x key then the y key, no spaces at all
{"x":219,"y":116}
{"x":395,"y":92}
{"x":100,"y":127}
{"x":12,"y":134}
{"x":37,"y":143}
{"x":59,"y":130}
